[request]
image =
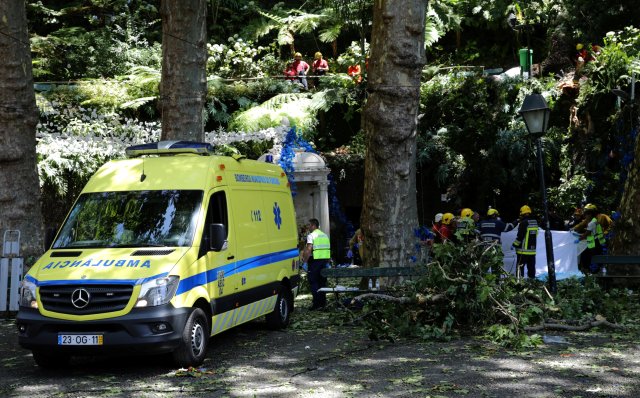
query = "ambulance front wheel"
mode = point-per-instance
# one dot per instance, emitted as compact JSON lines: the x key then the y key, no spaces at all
{"x":281,"y":315}
{"x":194,"y":342}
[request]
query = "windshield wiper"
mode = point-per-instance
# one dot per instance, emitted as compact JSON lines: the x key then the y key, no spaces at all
{"x":137,"y":245}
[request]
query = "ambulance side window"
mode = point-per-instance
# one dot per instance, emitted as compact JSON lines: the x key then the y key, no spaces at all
{"x":217,"y":213}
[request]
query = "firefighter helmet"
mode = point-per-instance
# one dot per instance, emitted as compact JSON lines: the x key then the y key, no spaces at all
{"x":524,"y":210}
{"x":491,"y":212}
{"x":466,"y":212}
{"x":447,"y":218}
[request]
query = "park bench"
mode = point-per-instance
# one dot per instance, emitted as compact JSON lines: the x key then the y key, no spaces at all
{"x":610,"y":262}
{"x":371,"y":273}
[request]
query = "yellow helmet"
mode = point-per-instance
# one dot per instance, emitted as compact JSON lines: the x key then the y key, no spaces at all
{"x":317,"y":55}
{"x":579,"y":46}
{"x":466,"y":212}
{"x":447,"y":218}
{"x":525,"y":210}
{"x":590,"y":206}
{"x":297,"y":55}
{"x":491,"y":212}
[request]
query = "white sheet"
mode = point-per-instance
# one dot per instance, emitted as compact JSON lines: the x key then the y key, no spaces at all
{"x":565,"y":253}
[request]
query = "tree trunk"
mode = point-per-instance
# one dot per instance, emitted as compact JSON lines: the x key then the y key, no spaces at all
{"x":19,"y":185}
{"x":389,"y":213}
{"x":627,"y":229}
{"x":183,"y":88}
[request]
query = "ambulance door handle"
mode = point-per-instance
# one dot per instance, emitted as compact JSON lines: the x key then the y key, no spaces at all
{"x":231,"y":257}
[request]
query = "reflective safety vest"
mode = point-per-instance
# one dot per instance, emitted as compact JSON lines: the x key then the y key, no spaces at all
{"x":321,"y":245}
{"x":525,"y":242}
{"x":599,"y":236}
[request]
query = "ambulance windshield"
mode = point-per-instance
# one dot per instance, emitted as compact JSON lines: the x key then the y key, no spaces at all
{"x":131,"y":219}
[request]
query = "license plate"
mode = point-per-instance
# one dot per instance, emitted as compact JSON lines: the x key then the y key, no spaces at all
{"x":80,"y":339}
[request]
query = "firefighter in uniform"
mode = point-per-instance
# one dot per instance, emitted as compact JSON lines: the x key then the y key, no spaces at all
{"x":317,"y":254}
{"x":491,"y":229}
{"x":525,"y":243}
{"x":465,"y":226}
{"x":447,"y":230}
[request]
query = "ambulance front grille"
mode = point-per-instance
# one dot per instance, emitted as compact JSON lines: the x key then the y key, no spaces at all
{"x":101,"y":298}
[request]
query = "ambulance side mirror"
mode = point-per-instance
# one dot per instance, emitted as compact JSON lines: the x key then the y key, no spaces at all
{"x":217,"y":237}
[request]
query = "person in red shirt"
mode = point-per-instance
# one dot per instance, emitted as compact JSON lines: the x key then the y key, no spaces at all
{"x":447,"y":229}
{"x":319,"y":67}
{"x":354,"y":72}
{"x":437,"y":225}
{"x":298,"y":68}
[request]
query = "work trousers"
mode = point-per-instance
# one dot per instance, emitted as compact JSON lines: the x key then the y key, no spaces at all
{"x":317,"y":281}
{"x":528,"y":260}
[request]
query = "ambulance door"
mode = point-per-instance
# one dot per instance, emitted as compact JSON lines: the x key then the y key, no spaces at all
{"x":221,"y":265}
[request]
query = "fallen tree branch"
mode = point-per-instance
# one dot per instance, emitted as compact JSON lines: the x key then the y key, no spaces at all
{"x":420,"y":298}
{"x":506,"y":312}
{"x":585,"y":326}
{"x":385,"y":297}
{"x":447,"y":277}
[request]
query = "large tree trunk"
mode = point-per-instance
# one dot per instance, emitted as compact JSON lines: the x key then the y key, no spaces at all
{"x":627,"y":228}
{"x":184,"y":79}
{"x":390,"y":123}
{"x":19,"y":186}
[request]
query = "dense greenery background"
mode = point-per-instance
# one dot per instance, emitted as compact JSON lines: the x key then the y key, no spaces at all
{"x":97,"y":69}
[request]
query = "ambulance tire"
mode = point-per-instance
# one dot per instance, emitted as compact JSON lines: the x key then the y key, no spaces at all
{"x":47,"y":360}
{"x":195,"y":340}
{"x":281,"y":315}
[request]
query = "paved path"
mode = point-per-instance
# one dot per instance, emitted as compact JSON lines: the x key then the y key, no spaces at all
{"x":318,"y":358}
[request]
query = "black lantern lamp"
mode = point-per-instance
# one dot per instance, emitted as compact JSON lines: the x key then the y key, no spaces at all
{"x":535,"y":113}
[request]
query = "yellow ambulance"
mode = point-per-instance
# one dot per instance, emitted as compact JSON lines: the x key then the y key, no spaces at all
{"x":161,"y":251}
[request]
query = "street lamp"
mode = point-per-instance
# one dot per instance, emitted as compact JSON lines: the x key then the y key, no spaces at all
{"x":535,"y":113}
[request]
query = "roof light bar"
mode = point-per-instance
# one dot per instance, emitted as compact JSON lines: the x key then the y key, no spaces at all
{"x":169,"y":148}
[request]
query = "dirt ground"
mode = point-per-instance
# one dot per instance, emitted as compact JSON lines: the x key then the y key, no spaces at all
{"x":317,"y":357}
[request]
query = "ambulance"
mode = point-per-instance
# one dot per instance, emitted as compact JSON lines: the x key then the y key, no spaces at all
{"x":161,"y":251}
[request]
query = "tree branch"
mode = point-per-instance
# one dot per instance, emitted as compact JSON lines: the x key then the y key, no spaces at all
{"x":585,"y":326}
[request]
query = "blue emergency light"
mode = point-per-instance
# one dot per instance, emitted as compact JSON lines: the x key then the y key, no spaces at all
{"x":169,"y":148}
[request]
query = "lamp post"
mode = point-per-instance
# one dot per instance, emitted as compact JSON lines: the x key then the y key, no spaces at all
{"x":535,"y":113}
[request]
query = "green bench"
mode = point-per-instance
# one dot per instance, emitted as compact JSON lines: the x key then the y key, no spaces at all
{"x":610,"y":262}
{"x":370,"y":273}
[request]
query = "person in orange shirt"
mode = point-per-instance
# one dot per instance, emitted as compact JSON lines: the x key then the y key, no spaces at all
{"x":355,"y":72}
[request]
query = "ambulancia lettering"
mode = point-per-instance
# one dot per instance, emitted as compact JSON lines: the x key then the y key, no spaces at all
{"x":99,"y":263}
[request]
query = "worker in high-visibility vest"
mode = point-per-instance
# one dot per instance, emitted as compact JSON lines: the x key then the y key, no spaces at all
{"x":317,"y":255}
{"x":525,"y":243}
{"x":594,"y":235}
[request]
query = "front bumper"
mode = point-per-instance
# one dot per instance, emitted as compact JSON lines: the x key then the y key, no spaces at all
{"x":137,"y":331}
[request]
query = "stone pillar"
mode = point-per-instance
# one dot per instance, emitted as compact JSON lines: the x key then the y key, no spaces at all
{"x":325,"y":225}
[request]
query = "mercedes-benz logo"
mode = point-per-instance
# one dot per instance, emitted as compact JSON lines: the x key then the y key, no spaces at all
{"x":80,"y":298}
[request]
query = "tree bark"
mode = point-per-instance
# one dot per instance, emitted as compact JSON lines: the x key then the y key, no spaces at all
{"x":183,"y":88}
{"x":389,"y":213}
{"x":19,"y":184}
{"x":627,"y":229}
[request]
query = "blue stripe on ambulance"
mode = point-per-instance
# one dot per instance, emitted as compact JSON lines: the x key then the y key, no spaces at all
{"x":211,"y":275}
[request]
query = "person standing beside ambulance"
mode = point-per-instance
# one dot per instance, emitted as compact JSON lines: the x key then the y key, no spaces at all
{"x":317,"y":254}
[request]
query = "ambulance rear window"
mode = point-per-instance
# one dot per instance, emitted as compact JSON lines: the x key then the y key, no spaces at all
{"x":132,"y":219}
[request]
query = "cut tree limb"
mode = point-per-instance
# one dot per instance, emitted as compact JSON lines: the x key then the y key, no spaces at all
{"x":585,"y":326}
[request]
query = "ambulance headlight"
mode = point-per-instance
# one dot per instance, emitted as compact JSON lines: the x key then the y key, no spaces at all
{"x":28,"y":294}
{"x":157,"y":291}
